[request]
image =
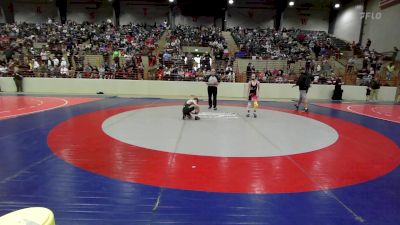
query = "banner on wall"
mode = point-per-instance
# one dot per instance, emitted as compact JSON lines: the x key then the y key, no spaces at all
{"x":250,"y":13}
{"x":11,"y":7}
{"x":92,"y":16}
{"x":383,"y":4}
{"x":304,"y":18}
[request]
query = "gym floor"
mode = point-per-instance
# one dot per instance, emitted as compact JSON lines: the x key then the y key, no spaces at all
{"x":118,"y":161}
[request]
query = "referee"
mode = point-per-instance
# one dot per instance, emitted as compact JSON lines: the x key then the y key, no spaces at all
{"x":304,"y":83}
{"x":212,"y":83}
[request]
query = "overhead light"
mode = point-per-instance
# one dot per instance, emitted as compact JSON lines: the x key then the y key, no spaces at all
{"x":196,"y":50}
{"x":230,"y":2}
{"x":171,"y":1}
{"x":291,"y":3}
{"x":337,"y":5}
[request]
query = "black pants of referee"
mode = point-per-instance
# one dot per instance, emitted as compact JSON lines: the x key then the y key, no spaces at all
{"x":212,"y":96}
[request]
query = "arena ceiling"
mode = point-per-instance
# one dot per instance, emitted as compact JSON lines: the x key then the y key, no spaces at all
{"x":207,"y":7}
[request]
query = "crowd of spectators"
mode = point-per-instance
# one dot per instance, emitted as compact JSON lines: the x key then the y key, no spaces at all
{"x":64,"y":46}
{"x":290,"y":44}
{"x":179,"y":65}
{"x":372,"y":63}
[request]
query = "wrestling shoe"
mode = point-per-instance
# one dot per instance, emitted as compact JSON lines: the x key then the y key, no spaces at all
{"x":297,"y":106}
{"x":196,"y":118}
{"x":305,"y":109}
{"x":255,"y":115}
{"x":248,"y":115}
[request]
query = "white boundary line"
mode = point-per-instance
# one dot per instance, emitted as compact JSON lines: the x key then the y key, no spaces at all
{"x":21,"y":114}
{"x":349,"y":108}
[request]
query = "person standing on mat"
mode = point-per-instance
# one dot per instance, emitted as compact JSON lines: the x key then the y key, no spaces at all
{"x":375,"y":86}
{"x":190,"y":107}
{"x":212,"y":83}
{"x":303,"y":82}
{"x":18,"y":79}
{"x":253,"y":91}
{"x":338,"y":91}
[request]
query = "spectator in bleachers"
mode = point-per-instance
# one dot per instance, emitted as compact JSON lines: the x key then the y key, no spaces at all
{"x":102,"y":72}
{"x":394,"y":54}
{"x":389,"y":71}
{"x":350,"y":65}
{"x":64,"y":72}
{"x":166,"y":58}
{"x":368,"y":44}
{"x":9,"y":54}
{"x":230,"y":75}
{"x":326,"y":68}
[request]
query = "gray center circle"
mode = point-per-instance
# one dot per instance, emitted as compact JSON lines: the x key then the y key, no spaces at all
{"x":223,"y":133}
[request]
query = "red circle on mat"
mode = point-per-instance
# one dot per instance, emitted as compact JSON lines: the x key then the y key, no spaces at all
{"x":359,"y":155}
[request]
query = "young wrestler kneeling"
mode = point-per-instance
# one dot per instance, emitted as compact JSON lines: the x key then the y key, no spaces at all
{"x":191,"y":107}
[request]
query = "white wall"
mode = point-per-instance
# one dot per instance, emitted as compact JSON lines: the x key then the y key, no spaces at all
{"x":348,"y":22}
{"x":250,"y":18}
{"x":80,"y":13}
{"x":28,"y":12}
{"x":136,"y":14}
{"x":318,"y":19}
{"x":181,"y":89}
{"x":2,"y":16}
{"x":384,"y":32}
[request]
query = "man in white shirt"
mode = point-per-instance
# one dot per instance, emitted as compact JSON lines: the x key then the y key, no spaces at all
{"x":212,"y":83}
{"x":43,"y":55}
{"x":64,"y":71}
{"x":63,"y":62}
{"x":56,"y":62}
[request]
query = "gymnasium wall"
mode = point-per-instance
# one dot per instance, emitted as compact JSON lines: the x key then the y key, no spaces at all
{"x":381,"y":25}
{"x":383,"y":32}
{"x":317,"y":19}
{"x":2,"y":16}
{"x":250,"y":18}
{"x":181,"y":89}
{"x":89,"y":12}
{"x":348,"y":22}
{"x":35,"y":12}
{"x":143,"y":14}
{"x":194,"y":21}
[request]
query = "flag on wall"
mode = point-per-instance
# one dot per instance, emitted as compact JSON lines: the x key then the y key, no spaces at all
{"x":383,"y":4}
{"x":251,"y":14}
{"x":11,"y":7}
{"x":304,"y":18}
